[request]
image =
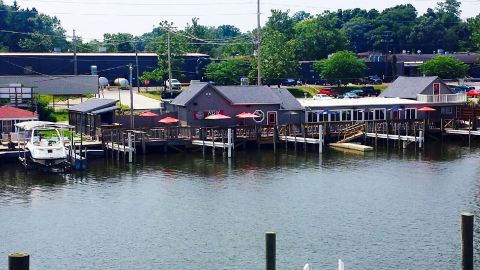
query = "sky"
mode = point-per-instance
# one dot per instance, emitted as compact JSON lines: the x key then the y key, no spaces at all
{"x":92,"y":18}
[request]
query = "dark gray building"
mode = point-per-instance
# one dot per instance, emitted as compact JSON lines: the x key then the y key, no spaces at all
{"x":87,"y":117}
{"x":416,"y":88}
{"x":273,"y":106}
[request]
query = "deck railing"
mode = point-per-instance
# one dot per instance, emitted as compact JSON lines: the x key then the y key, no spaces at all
{"x":444,"y":98}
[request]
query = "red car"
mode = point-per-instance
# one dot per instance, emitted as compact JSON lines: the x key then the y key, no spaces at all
{"x":329,"y":92}
{"x":473,"y":93}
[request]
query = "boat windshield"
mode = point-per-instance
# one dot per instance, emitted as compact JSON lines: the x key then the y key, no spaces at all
{"x":49,"y":137}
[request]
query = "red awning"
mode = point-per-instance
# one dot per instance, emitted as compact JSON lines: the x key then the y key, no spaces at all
{"x":426,"y":109}
{"x":148,"y":114}
{"x":168,"y":120}
{"x":217,"y":117}
{"x":245,"y":115}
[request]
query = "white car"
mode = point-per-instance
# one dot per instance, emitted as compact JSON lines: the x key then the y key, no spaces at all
{"x":322,"y":97}
{"x":175,"y":84}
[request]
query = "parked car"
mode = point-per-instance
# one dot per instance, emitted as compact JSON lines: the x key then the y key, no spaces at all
{"x":289,"y":82}
{"x":370,"y":91}
{"x":473,"y":93}
{"x":175,"y":84}
{"x":321,"y":97}
{"x":374,"y":79}
{"x":461,"y":88}
{"x":329,"y":92}
{"x":359,"y":92}
{"x":350,"y":95}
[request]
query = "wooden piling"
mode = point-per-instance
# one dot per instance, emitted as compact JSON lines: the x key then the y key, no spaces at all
{"x":467,"y":240}
{"x":19,"y":261}
{"x":270,"y":243}
{"x":320,"y":139}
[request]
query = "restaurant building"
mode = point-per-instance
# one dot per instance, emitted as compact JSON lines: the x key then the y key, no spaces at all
{"x":200,"y":100}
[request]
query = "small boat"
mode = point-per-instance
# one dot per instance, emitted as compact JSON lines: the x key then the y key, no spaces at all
{"x":45,"y":145}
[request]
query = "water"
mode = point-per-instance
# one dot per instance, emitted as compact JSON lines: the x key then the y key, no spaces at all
{"x":384,"y":210}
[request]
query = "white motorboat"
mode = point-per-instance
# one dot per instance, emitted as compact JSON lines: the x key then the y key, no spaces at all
{"x":45,"y":144}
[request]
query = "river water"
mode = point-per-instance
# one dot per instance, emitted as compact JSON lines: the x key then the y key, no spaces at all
{"x":387,"y":209}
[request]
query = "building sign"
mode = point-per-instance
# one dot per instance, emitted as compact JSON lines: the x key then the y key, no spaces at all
{"x":261,"y":115}
{"x":200,"y":115}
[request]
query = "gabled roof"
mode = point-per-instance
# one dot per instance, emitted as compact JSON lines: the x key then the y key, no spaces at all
{"x":8,"y":112}
{"x":252,"y":94}
{"x":408,"y":87}
{"x":93,"y":104}
{"x":242,"y":95}
{"x":288,"y":101}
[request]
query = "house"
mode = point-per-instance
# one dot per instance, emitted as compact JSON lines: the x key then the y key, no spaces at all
{"x":88,"y":116}
{"x":9,"y":116}
{"x":199,"y":100}
{"x":401,"y":100}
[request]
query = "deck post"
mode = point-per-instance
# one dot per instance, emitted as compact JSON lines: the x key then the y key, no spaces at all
{"x":270,"y":250}
{"x":130,"y":150}
{"x":19,"y":261}
{"x":415,"y":135}
{"x":470,"y":132}
{"x":275,"y":131}
{"x":304,"y":138}
{"x":229,"y":142}
{"x":376,"y":134}
{"x":223,"y":143}
{"x":467,"y":240}
{"x":213,"y":141}
{"x":320,"y":139}
{"x":420,"y":142}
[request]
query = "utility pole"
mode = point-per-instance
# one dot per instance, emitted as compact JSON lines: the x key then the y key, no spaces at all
{"x":169,"y":62}
{"x":259,"y":51}
{"x":136,"y":65}
{"x":130,"y":67}
{"x":75,"y":70}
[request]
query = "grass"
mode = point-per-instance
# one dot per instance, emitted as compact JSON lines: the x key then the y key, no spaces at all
{"x":60,"y":115}
{"x":311,"y":90}
{"x":151,"y":94}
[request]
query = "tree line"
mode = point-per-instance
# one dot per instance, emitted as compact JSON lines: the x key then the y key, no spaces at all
{"x":286,"y":38}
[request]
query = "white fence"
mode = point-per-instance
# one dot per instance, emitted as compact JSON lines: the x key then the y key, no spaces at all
{"x":448,"y":98}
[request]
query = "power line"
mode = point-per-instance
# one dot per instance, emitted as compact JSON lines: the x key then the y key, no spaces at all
{"x":142,"y":4}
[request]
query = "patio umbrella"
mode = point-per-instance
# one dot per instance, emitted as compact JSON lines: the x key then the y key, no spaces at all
{"x":148,"y":114}
{"x":245,"y":115}
{"x":217,"y":117}
{"x":168,"y":120}
{"x":426,"y":109}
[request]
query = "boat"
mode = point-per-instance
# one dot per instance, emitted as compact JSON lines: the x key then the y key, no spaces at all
{"x":45,"y":145}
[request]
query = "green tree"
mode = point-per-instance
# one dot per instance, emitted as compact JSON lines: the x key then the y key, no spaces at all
{"x":342,"y":67}
{"x":445,"y":67}
{"x":473,"y":25}
{"x":281,"y":22}
{"x":278,"y":57}
{"x":317,"y":38}
{"x":119,"y":42}
{"x":230,"y":71}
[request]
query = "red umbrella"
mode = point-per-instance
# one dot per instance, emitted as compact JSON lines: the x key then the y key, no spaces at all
{"x":148,"y":114}
{"x":217,"y":117}
{"x":426,"y":109}
{"x":245,"y":115}
{"x":168,"y":120}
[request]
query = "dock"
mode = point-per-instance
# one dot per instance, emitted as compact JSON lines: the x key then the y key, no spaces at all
{"x":352,"y":146}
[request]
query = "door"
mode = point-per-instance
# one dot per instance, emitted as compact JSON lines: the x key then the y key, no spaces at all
{"x":271,"y":118}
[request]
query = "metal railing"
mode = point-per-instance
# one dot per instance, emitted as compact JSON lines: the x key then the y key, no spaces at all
{"x":444,"y":98}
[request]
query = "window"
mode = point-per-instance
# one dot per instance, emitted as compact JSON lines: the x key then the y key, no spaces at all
{"x":447,"y":110}
{"x":378,"y":114}
{"x":346,"y":115}
{"x":271,"y":118}
{"x":335,"y":116}
{"x":436,"y":89}
{"x":357,"y":115}
{"x":410,"y":113}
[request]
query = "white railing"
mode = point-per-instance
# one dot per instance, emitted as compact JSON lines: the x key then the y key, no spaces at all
{"x":447,"y":98}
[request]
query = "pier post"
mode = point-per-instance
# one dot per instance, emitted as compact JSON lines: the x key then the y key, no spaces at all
{"x":19,"y":261}
{"x":270,"y":242}
{"x":229,"y":142}
{"x":470,"y":132}
{"x":130,"y":147}
{"x":467,"y":240}
{"x":420,"y":141}
{"x":320,"y":139}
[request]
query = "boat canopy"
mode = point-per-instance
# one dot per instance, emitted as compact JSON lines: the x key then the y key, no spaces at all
{"x":29,"y":125}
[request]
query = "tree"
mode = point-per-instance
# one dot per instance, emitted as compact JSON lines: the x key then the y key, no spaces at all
{"x":317,"y":38}
{"x":119,"y":42}
{"x":230,"y":71}
{"x":342,"y":67}
{"x":445,"y":67}
{"x":278,"y":57}
{"x":473,"y":25}
{"x":281,"y":22}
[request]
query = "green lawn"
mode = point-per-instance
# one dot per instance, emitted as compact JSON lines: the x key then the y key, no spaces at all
{"x":151,"y":94}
